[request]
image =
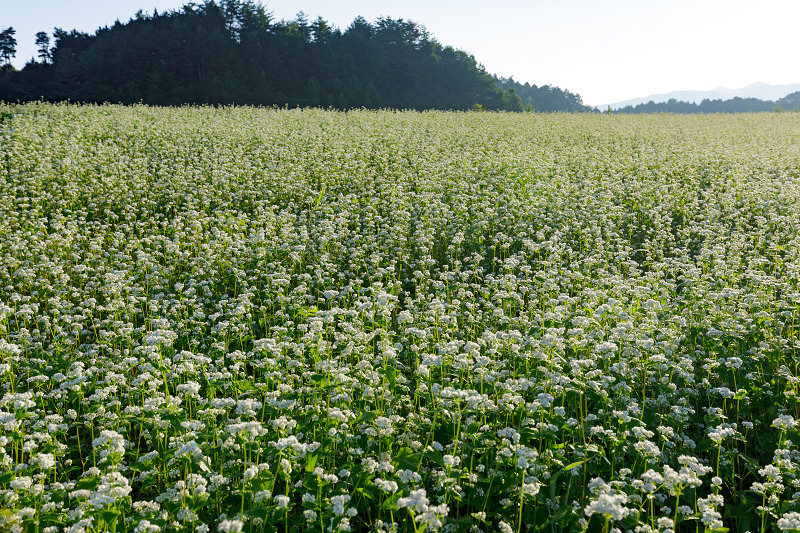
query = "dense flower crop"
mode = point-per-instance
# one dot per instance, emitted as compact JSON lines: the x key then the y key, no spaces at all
{"x":242,"y":319}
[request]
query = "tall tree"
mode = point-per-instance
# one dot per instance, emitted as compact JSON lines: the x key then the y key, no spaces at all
{"x":8,"y":46}
{"x":232,"y":11}
{"x":43,"y":43}
{"x":320,"y":30}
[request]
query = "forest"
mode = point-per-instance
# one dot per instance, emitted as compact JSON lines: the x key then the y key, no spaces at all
{"x":790,"y":102}
{"x":235,"y":52}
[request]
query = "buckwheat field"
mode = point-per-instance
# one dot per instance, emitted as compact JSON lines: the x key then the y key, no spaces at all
{"x":240,"y":319}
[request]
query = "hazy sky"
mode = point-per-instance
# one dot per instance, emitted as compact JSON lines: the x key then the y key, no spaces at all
{"x":604,"y":50}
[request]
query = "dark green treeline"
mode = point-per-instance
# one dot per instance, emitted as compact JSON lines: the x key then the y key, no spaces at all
{"x":790,"y":102}
{"x":232,"y":51}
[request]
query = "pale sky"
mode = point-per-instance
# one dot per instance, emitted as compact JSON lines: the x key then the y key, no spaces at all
{"x":604,"y":50}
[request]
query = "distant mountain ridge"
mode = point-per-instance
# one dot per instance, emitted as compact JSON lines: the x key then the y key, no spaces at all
{"x":762,"y":91}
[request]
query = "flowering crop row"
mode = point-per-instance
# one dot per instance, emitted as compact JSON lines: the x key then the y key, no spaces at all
{"x":242,"y":319}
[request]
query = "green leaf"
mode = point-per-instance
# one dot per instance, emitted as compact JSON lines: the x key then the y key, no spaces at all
{"x":110,"y":517}
{"x":705,"y":445}
{"x":243,"y":386}
{"x":391,"y":376}
{"x":258,"y":512}
{"x":319,"y":198}
{"x":311,"y":462}
{"x":369,"y":492}
{"x":390,"y":503}
{"x":174,"y":420}
{"x":435,"y":456}
{"x":366,"y":417}
{"x":453,"y":494}
{"x":405,"y":457}
{"x":555,"y":477}
{"x":562,"y":517}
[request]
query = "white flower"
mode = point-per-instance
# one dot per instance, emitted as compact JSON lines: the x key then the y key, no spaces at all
{"x":230,"y":526}
{"x":144,"y":526}
{"x":247,"y":407}
{"x":784,"y":422}
{"x":609,"y":505}
{"x":247,"y":430}
{"x":190,"y":448}
{"x":44,"y":460}
{"x":190,"y":388}
{"x":416,"y":500}
{"x":9,"y":348}
{"x":111,"y":445}
{"x":450,"y":461}
{"x":21,"y":483}
{"x":339,"y":503}
{"x":665,"y":523}
{"x":509,"y":433}
{"x":20,"y":400}
{"x":250,"y":473}
{"x":789,"y":521}
{"x":531,"y":489}
{"x":386,"y":486}
{"x":711,"y":518}
{"x":111,"y":487}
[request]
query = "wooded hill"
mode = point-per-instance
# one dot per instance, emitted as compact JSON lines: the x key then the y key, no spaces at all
{"x":233,"y":52}
{"x":790,"y":102}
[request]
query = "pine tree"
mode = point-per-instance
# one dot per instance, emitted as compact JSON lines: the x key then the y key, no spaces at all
{"x":8,"y":46}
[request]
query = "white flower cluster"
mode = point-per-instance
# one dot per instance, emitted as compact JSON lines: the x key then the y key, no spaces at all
{"x":424,"y":513}
{"x":110,"y":446}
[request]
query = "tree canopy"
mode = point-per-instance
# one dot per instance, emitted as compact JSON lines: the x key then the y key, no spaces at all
{"x":234,"y":51}
{"x":545,"y":98}
{"x":734,"y":105}
{"x":8,"y":47}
